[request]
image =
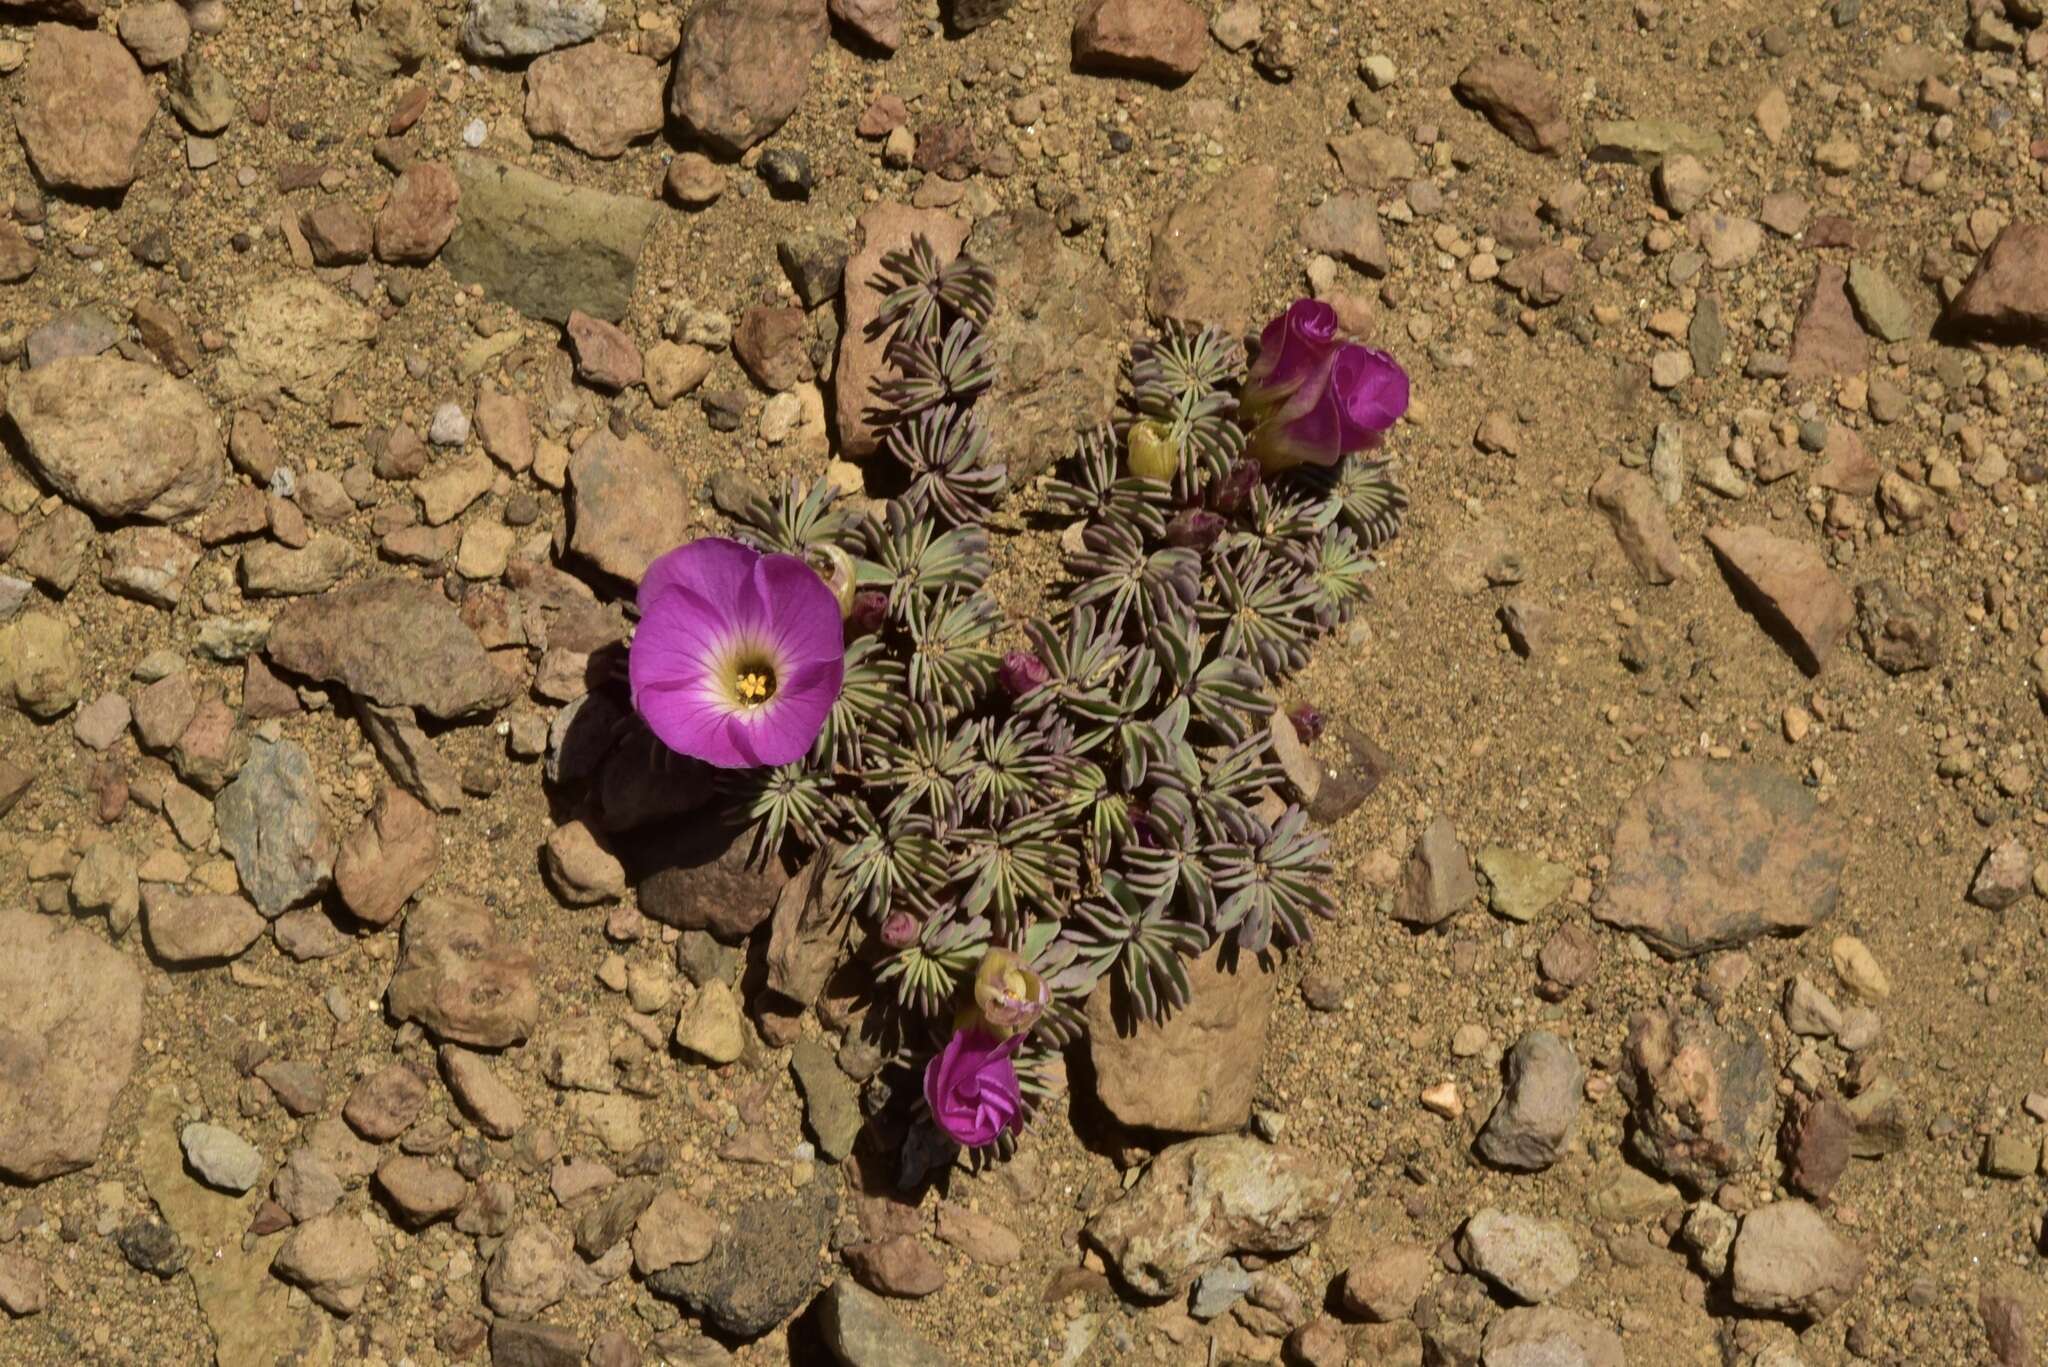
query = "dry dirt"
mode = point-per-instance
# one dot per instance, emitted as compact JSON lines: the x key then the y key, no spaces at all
{"x":1538,"y":754}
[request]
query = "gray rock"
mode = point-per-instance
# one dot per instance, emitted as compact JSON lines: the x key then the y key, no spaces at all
{"x":859,"y":1331}
{"x":544,"y":247}
{"x":527,"y":28}
{"x":67,"y":1043}
{"x":75,"y":332}
{"x":764,"y":1271}
{"x":221,"y":1157}
{"x":1545,"y":1086}
{"x":1219,"y":1288}
{"x":1438,"y":882}
{"x":273,"y":825}
{"x":831,"y":1101}
{"x":1531,"y":1260}
{"x":1879,"y":305}
{"x":516,"y":1343}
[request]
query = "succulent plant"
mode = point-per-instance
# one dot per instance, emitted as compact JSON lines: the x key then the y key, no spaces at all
{"x":1099,"y":802}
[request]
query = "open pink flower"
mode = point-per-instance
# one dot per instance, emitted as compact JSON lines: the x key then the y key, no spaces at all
{"x":738,"y":656}
{"x":971,"y":1086}
{"x":1312,"y":397}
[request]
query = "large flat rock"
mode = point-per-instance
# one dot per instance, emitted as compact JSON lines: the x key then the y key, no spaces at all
{"x":396,"y":642}
{"x":544,"y":247}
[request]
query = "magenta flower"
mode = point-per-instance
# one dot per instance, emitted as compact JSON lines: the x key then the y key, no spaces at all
{"x":739,"y":655}
{"x":1021,"y":672}
{"x":971,"y":1086}
{"x":1314,"y":398}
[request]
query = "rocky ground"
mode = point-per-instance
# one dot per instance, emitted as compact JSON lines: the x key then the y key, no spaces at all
{"x":362,"y":998}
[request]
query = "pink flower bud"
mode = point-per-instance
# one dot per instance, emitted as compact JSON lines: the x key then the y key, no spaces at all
{"x":1022,"y":671}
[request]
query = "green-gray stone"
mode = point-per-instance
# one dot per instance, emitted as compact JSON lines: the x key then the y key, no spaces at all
{"x":544,"y":247}
{"x":860,"y":1332}
{"x":1880,"y":306}
{"x":1523,"y":884}
{"x":831,"y":1102}
{"x":1646,"y":142}
{"x":1708,"y":337}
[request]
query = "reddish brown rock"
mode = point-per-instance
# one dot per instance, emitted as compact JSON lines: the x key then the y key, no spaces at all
{"x":1197,"y":1071}
{"x":1207,"y":250}
{"x":1437,"y":882}
{"x":336,"y":234}
{"x":197,"y":930}
{"x":896,"y":1267}
{"x":605,"y":354}
{"x":1816,"y":1142}
{"x":885,"y":227}
{"x":1517,"y":99}
{"x":1827,"y":340}
{"x":769,"y":342}
{"x":419,"y":217}
{"x":84,"y":109}
{"x":2006,"y":297}
{"x":1846,"y":464}
{"x":597,"y":98}
{"x":743,"y":66}
{"x":1164,"y":40}
{"x":627,"y":504}
{"x":393,"y":641}
{"x":384,"y":861}
{"x":879,"y":22}
{"x":1710,"y":856}
{"x":1791,"y":588}
{"x":458,"y":977}
{"x":704,"y":881}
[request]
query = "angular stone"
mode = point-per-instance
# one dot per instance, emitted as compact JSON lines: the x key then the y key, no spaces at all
{"x":883,"y":228}
{"x":1701,"y":1095}
{"x":1198,"y":1070}
{"x":1534,"y":1261}
{"x":148,"y":564}
{"x":84,"y":109}
{"x":1518,"y":100}
{"x":480,"y":1092}
{"x":296,"y":335}
{"x":1199,"y":1201}
{"x":198,"y":930}
{"x":627,"y":504}
{"x":498,"y":29}
{"x":545,"y":247}
{"x":388,"y":858}
{"x":1709,"y":856}
{"x":272,"y":823}
{"x":1206,"y":250}
{"x":1163,"y":40}
{"x":1900,"y":633}
{"x":396,"y":642}
{"x":704,"y":881}
{"x":831,"y":1100}
{"x":419,"y":216}
{"x":1646,"y":142}
{"x":1629,"y":502}
{"x":860,"y":1332}
{"x":67,"y":1043}
{"x":763,"y":1271}
{"x":743,"y":66}
{"x":597,"y":98}
{"x":1827,"y":340}
{"x":1437,"y":882}
{"x":2006,"y":297}
{"x":1788,"y":1260}
{"x":268,"y":570}
{"x":1539,"y":1105}
{"x":673,"y":1229}
{"x":1790,"y":585}
{"x":1546,"y":1336}
{"x":421,"y":1190}
{"x":119,"y":438}
{"x":458,"y":978}
{"x":331,"y":1259}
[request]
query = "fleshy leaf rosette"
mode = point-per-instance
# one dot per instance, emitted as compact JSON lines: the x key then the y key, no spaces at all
{"x":1312,"y":398}
{"x":739,"y":656}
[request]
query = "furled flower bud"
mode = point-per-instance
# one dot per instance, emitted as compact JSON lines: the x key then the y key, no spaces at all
{"x":1194,"y":528}
{"x":899,"y":928}
{"x":1314,"y":398}
{"x":1229,"y":494}
{"x":835,"y":567}
{"x":1021,"y":672}
{"x":1010,"y":996}
{"x":1153,"y":452}
{"x":870,"y":607}
{"x":1308,"y":723}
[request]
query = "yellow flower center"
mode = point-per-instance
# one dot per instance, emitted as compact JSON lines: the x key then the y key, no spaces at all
{"x":750,"y":676}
